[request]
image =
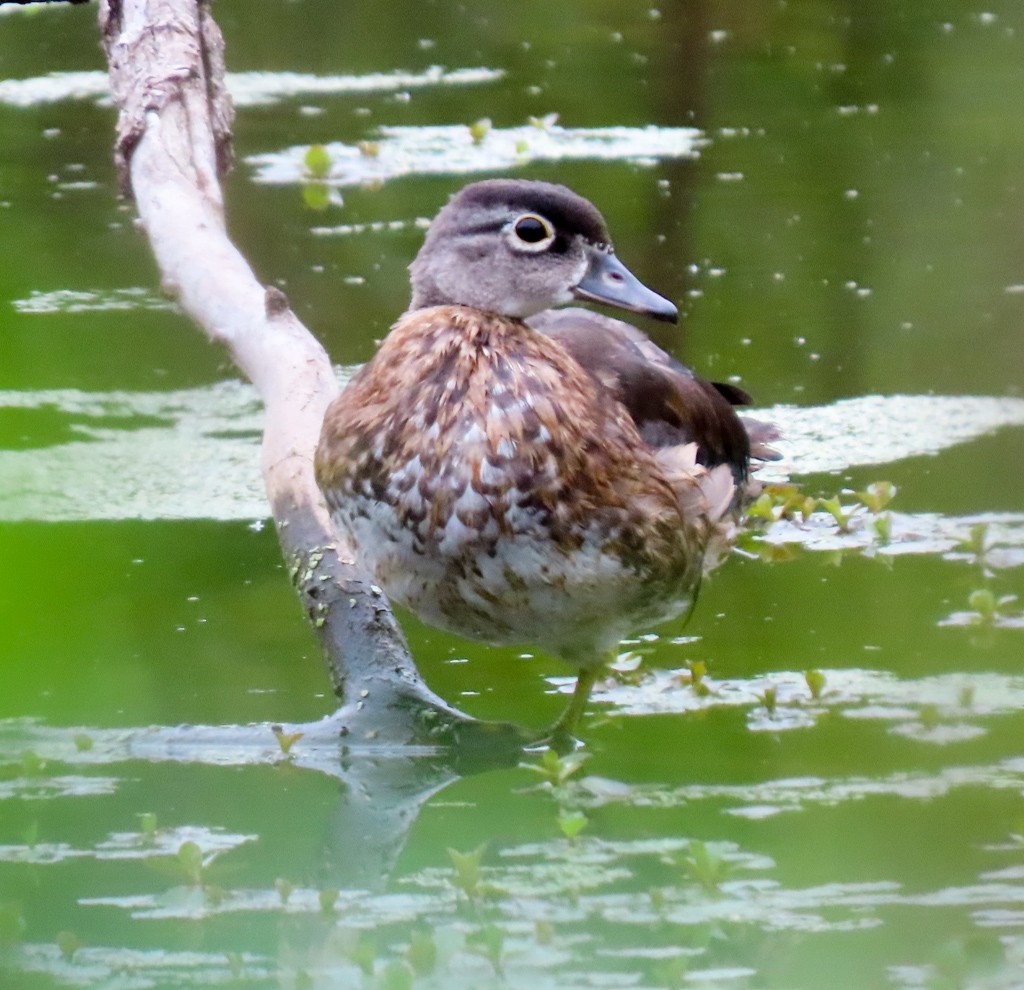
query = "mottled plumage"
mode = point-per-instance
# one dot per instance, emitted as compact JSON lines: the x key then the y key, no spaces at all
{"x":519,"y":486}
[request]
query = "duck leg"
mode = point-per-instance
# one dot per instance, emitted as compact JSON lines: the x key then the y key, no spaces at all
{"x":570,"y":718}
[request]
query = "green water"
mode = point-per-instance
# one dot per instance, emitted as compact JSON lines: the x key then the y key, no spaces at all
{"x":849,"y":226}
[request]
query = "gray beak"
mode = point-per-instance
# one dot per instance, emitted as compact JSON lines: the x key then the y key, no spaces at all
{"x":607,"y":280}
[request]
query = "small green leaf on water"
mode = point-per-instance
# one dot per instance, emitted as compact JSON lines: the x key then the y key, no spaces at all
{"x":488,"y":942}
{"x":364,"y":953}
{"x":467,"y":869}
{"x":316,"y":196}
{"x":31,"y":764}
{"x":522,"y":146}
{"x":815,"y":683}
{"x":422,"y":952}
{"x":147,"y":824}
{"x":317,"y":161}
{"x":984,"y":602}
{"x":83,"y":742}
{"x":369,"y":149}
{"x":284,"y":888}
{"x":883,"y":527}
{"x":976,"y":541}
{"x":190,"y":862}
{"x":214,"y":895}
{"x":835,"y":508}
{"x":877,"y":495}
{"x":698,"y":669}
{"x":786,"y":501}
{"x":68,"y":943}
{"x":769,"y":697}
{"x":328,"y":897}
{"x":806,"y":506}
{"x":704,"y":864}
{"x":556,"y":770}
{"x":543,"y":123}
{"x":930,"y":716}
{"x":774,"y":553}
{"x":236,"y":963}
{"x":572,"y":823}
{"x":285,"y":739}
{"x":396,"y":976}
{"x":480,"y":129}
{"x":763,"y":507}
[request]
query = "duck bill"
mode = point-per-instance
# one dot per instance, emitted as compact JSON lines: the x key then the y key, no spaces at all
{"x":607,"y":280}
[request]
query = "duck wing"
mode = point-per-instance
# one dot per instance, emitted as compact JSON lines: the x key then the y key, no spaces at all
{"x":670,"y":404}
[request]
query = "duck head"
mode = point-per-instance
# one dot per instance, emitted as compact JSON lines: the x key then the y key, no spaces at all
{"x":516,"y":247}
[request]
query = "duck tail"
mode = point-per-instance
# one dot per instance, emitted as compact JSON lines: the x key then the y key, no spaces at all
{"x":705,"y":495}
{"x":708,"y":499}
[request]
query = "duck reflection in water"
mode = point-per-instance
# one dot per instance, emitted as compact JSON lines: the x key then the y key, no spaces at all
{"x":516,"y":473}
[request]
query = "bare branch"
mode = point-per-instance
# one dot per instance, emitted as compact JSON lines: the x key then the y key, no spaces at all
{"x":173,"y":142}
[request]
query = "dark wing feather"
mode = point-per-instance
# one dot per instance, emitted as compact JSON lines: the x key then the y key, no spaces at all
{"x":668,"y":402}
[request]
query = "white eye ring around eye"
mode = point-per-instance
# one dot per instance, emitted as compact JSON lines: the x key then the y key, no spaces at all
{"x":531,"y":232}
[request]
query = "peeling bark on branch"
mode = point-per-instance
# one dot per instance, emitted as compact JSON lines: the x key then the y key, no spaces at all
{"x":166,"y":62}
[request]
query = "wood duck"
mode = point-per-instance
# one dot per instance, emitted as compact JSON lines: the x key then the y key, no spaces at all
{"x":518,"y":474}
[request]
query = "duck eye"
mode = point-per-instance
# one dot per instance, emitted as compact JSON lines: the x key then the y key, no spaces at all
{"x":533,"y":230}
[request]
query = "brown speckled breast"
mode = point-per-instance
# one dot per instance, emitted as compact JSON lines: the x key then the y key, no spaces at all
{"x":495,"y":489}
